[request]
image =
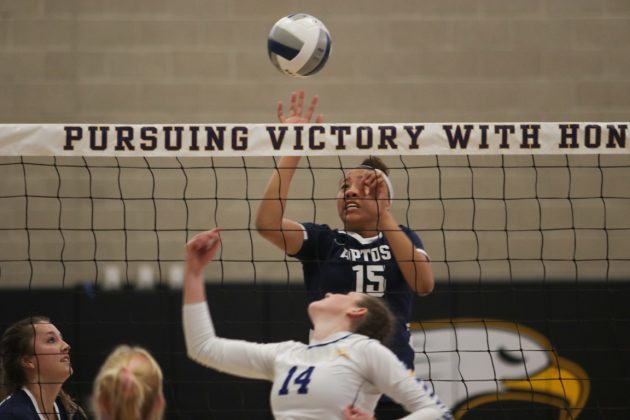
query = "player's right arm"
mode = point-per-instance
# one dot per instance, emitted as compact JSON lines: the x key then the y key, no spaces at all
{"x":236,"y":357}
{"x":286,"y":234}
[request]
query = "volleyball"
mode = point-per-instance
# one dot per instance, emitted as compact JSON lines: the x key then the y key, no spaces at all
{"x":299,"y":45}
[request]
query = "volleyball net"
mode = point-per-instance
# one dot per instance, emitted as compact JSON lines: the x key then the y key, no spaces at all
{"x":530,"y":204}
{"x":492,"y":202}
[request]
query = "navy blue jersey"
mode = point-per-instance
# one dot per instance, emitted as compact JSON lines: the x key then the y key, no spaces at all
{"x":19,"y":406}
{"x":335,"y":261}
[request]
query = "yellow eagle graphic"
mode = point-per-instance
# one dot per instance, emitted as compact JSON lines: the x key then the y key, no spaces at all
{"x":472,"y":362}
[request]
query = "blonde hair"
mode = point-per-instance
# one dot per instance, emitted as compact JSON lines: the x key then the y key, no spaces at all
{"x":129,"y":386}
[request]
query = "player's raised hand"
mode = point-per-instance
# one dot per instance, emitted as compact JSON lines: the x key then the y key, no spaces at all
{"x":296,"y":110}
{"x":375,"y":187}
{"x":354,"y":413}
{"x":201,"y":249}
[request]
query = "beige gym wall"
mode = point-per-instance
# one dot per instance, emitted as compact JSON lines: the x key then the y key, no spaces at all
{"x":196,"y":61}
{"x":396,"y":60}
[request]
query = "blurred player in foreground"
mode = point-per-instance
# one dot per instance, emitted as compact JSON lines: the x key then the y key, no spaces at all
{"x":129,"y":386}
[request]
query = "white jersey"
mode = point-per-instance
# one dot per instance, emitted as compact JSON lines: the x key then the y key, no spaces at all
{"x":315,"y":381}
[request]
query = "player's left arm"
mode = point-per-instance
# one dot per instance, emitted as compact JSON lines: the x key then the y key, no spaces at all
{"x":414,"y":265}
{"x":412,"y":262}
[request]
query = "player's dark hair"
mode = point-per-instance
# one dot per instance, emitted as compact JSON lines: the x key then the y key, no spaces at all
{"x":378,"y":322}
{"x":375,"y":163}
{"x":18,"y":341}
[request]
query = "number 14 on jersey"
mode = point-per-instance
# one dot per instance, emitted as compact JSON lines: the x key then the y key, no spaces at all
{"x":301,"y":381}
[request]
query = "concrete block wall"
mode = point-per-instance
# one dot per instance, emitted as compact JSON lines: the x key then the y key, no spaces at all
{"x":205,"y":61}
{"x":396,"y":60}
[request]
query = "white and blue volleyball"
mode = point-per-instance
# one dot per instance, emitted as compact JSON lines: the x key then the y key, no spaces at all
{"x":299,"y":45}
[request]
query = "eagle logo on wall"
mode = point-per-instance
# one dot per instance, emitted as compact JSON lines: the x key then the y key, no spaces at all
{"x":474,"y":362}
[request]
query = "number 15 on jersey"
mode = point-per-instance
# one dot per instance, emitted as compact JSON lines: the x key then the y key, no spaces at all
{"x":370,"y":279}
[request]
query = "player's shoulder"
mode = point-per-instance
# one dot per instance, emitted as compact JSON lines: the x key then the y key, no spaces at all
{"x":317,"y":227}
{"x":288,"y":346}
{"x":17,"y":406}
{"x":411,"y":234}
{"x":368,"y":345}
{"x":366,"y":351}
{"x":319,"y":232}
{"x":406,"y":229}
{"x":362,"y":342}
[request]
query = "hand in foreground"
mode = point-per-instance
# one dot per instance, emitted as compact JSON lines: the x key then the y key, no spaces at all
{"x":296,"y":108}
{"x":201,"y":249}
{"x":354,"y":413}
{"x":375,"y":186}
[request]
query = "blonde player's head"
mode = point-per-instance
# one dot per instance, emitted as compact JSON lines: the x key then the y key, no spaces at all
{"x":129,"y":386}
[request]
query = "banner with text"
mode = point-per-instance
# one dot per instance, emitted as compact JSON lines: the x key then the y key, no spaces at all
{"x":312,"y":139}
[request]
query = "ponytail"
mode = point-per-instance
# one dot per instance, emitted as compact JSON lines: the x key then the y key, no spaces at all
{"x":120,"y":394}
{"x":129,"y":386}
